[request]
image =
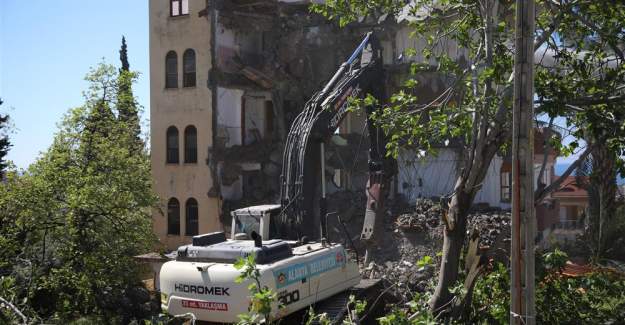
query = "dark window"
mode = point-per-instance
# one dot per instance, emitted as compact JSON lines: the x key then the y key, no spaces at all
{"x":171,"y":70}
{"x":179,"y":7}
{"x":506,"y":186}
{"x":190,"y":144}
{"x":191,"y":218}
{"x":172,"y":145}
{"x":188,"y":65}
{"x":173,"y":217}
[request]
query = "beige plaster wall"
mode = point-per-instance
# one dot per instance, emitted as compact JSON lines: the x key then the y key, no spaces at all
{"x":180,"y":107}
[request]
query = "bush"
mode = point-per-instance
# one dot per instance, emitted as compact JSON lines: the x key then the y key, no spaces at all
{"x":594,"y":298}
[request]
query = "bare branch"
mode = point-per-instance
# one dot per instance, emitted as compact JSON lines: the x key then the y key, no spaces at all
{"x":539,"y":195}
{"x":546,"y":148}
{"x":4,"y":302}
{"x":551,"y":28}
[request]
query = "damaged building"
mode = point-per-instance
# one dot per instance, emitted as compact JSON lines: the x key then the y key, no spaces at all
{"x":227,"y":78}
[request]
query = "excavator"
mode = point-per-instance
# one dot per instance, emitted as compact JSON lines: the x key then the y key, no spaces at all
{"x":289,"y":240}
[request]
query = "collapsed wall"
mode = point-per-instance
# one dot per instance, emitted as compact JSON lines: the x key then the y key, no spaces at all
{"x":270,"y":58}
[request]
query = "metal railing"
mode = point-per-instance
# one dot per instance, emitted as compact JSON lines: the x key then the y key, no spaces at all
{"x":569,"y":224}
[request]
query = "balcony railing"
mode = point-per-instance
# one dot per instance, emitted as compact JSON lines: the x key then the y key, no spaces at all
{"x":569,"y":224}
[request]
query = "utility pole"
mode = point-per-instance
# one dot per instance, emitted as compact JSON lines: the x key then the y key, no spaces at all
{"x":522,"y":308}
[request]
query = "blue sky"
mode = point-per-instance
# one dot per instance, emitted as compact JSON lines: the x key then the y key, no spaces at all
{"x":47,"y":47}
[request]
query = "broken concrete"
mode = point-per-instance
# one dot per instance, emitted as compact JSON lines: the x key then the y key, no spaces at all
{"x":415,"y":232}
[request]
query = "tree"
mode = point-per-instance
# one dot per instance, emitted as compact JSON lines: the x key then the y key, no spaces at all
{"x":5,"y":144}
{"x":475,"y":108}
{"x":79,"y":214}
{"x":123,"y":56}
{"x":128,"y":112}
{"x":588,"y":58}
{"x":603,"y":226}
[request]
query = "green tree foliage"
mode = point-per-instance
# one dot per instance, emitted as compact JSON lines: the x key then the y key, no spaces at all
{"x":5,"y":144}
{"x":593,"y":298}
{"x":77,"y":216}
{"x":127,"y":106}
{"x":123,"y":56}
{"x":581,"y":83}
{"x":262,"y":298}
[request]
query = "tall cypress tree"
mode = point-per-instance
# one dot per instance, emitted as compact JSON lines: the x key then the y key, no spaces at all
{"x":123,"y":56}
{"x":126,"y":104}
{"x":4,"y":142}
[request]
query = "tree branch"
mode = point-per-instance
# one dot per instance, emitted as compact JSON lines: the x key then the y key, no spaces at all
{"x":546,"y":148}
{"x":539,"y":195}
{"x":14,"y":309}
{"x":596,"y":101}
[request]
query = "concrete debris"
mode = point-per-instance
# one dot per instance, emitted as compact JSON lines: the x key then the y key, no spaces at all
{"x":493,"y":224}
{"x":418,"y":232}
{"x":427,"y":215}
{"x":494,"y":227}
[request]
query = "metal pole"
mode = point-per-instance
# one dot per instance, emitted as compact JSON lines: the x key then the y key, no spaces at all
{"x":323,"y":169}
{"x":323,"y":204}
{"x":522,"y":309}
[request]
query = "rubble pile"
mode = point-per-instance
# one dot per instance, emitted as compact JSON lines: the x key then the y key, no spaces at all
{"x":494,"y":227}
{"x":418,"y":233}
{"x":402,"y":278}
{"x":493,"y":224}
{"x":408,"y":238}
{"x":426,"y":216}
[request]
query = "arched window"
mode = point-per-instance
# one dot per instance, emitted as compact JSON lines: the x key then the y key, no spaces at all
{"x":191,"y":218}
{"x":171,"y":70}
{"x":188,"y":66}
{"x":173,"y":217}
{"x":190,"y":144}
{"x":172,"y":145}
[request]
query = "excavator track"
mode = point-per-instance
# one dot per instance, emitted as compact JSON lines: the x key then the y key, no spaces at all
{"x":335,"y":307}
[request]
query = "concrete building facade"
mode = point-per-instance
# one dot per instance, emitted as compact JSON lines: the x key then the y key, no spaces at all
{"x":181,"y":106}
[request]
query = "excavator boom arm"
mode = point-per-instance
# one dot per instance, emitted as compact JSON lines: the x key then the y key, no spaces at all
{"x":303,"y":162}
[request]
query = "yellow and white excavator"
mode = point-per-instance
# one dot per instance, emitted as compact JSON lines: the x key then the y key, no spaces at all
{"x":289,"y":240}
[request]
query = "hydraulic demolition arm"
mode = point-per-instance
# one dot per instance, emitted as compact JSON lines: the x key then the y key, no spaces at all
{"x":303,"y":202}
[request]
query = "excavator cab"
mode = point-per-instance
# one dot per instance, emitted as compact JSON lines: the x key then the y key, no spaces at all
{"x":261,"y":219}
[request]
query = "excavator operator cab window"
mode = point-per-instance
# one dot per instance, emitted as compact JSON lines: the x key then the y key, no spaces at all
{"x":245,"y":224}
{"x":258,"y":218}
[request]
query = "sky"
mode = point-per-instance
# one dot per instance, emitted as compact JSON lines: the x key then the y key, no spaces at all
{"x":47,"y":48}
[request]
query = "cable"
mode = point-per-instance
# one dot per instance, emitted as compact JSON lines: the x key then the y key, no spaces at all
{"x":325,"y":106}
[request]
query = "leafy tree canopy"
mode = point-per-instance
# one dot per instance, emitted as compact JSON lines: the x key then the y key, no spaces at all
{"x":78,"y":215}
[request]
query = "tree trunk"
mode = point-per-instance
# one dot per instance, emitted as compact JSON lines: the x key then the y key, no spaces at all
{"x":602,"y":196}
{"x":455,"y":220}
{"x":453,"y":241}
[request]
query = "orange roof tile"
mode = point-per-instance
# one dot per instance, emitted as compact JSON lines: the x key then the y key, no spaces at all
{"x":570,"y":188}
